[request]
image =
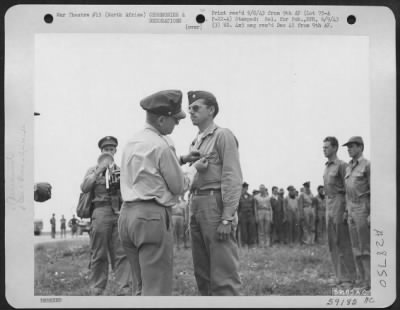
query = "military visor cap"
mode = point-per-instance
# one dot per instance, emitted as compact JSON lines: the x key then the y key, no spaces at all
{"x":108,"y":140}
{"x":200,"y":94}
{"x":306,"y":184}
{"x":356,"y":139}
{"x":165,"y":102}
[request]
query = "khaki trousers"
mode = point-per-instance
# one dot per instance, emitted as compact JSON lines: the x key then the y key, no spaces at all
{"x":339,"y":239}
{"x":360,"y":237}
{"x":145,"y":230}
{"x":216,"y":263}
{"x":105,"y":245}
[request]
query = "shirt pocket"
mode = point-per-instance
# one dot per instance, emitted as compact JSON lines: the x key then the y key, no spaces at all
{"x":332,"y":176}
{"x":148,"y":228}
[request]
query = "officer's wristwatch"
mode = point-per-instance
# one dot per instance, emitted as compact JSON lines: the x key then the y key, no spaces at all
{"x":226,"y":222}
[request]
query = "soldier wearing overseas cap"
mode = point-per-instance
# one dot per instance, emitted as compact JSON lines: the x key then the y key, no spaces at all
{"x":247,"y":218}
{"x":151,"y":183}
{"x":292,"y":215}
{"x":357,"y":181}
{"x":320,"y":207}
{"x":215,"y":194}
{"x":307,"y":214}
{"x":264,"y":217}
{"x":104,"y":241}
{"x":336,"y":216}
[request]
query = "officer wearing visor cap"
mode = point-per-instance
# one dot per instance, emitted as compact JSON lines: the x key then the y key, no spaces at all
{"x":151,"y":183}
{"x":216,"y":191}
{"x":104,"y":239}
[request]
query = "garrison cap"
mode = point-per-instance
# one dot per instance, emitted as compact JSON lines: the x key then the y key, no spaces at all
{"x":107,"y":140}
{"x":245,"y":184}
{"x":356,"y":139}
{"x":306,"y":184}
{"x":290,"y":188}
{"x":207,"y":96}
{"x":201,"y":94}
{"x":165,"y":102}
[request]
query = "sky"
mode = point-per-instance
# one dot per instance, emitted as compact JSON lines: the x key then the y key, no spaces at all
{"x":280,"y":95}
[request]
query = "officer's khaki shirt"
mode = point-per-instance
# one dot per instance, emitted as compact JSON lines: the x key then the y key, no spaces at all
{"x":150,"y":169}
{"x":334,"y":173}
{"x":220,"y":147}
{"x":357,"y":179}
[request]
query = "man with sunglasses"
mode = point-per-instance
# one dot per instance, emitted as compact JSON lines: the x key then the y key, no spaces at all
{"x":215,"y":195}
{"x":151,"y":182}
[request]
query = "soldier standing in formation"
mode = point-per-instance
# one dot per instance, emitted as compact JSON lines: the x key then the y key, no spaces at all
{"x":247,"y":218}
{"x":278,"y":215}
{"x":104,"y":241}
{"x":214,"y":201}
{"x":151,"y":182}
{"x":264,"y":217}
{"x":292,"y":211}
{"x":307,"y":214}
{"x":320,"y":206}
{"x":179,"y":222}
{"x":337,"y":228}
{"x":357,"y":180}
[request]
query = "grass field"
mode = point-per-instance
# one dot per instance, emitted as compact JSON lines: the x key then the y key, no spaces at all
{"x":61,"y":268}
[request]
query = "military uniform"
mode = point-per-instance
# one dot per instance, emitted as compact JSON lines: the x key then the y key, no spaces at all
{"x":278,"y":216}
{"x":357,"y":181}
{"x":264,"y":219}
{"x":247,"y":220}
{"x":337,"y":229}
{"x":292,"y":216}
{"x":320,"y":205}
{"x":308,"y":217}
{"x":215,"y":198}
{"x":178,"y":222}
{"x":104,"y":240}
{"x":151,"y":182}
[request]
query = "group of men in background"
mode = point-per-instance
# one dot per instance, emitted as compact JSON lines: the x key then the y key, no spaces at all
{"x":339,"y":214}
{"x":266,"y":219}
{"x":72,"y":223}
{"x":133,"y":229}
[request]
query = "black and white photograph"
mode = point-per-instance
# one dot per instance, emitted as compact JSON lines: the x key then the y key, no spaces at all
{"x":195,"y":151}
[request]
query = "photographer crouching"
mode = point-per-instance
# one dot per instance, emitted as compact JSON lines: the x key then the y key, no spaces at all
{"x":103,"y":181}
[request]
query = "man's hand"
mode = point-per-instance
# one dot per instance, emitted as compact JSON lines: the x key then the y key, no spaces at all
{"x":101,"y":167}
{"x":201,"y":165}
{"x":224,"y":231}
{"x":191,"y":157}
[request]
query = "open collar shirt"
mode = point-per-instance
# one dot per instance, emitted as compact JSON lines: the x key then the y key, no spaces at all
{"x":357,"y":179}
{"x":220,"y":147}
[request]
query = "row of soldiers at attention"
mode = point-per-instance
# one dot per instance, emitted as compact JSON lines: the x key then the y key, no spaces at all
{"x":266,"y":219}
{"x":136,"y":239}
